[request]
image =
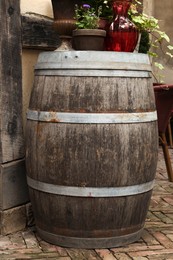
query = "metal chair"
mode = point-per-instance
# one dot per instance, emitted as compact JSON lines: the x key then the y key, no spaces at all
{"x":164,"y":106}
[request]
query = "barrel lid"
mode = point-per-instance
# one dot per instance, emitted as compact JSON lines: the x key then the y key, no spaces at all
{"x":93,"y":60}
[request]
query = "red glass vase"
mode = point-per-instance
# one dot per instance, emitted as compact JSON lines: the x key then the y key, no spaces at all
{"x":122,"y":34}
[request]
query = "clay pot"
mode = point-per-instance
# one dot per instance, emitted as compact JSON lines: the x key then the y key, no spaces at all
{"x":63,"y":10}
{"x":88,"y":39}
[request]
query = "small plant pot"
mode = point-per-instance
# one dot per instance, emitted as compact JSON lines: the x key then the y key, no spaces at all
{"x":88,"y":39}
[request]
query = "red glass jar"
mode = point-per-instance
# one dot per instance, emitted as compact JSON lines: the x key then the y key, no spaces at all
{"x":122,"y":34}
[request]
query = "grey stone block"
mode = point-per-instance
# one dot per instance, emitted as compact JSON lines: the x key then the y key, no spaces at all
{"x":13,"y":185}
{"x":13,"y":220}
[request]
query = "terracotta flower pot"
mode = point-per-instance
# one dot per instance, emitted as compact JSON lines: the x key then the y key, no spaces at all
{"x":88,"y":39}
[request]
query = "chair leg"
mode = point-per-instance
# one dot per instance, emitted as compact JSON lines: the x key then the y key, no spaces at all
{"x":166,"y":156}
{"x":170,"y":133}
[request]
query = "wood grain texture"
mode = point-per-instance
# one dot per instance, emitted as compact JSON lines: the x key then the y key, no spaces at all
{"x":38,"y":32}
{"x":91,"y":155}
{"x":11,"y":137}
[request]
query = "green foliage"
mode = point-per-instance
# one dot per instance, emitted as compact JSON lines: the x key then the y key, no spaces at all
{"x":152,"y":38}
{"x":104,"y":6}
{"x":157,"y":39}
{"x":86,"y":17}
{"x":144,"y":42}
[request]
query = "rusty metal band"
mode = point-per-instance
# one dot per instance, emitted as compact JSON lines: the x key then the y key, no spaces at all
{"x":90,"y":191}
{"x":91,"y":118}
{"x":82,"y":242}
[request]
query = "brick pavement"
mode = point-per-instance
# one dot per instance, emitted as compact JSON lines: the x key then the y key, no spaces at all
{"x":156,"y":242}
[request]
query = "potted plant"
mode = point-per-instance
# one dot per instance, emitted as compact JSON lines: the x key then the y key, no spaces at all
{"x":87,"y":36}
{"x":104,"y":9}
{"x":122,"y":34}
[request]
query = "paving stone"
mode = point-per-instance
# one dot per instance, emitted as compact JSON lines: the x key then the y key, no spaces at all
{"x":28,"y":251}
{"x":30,"y":239}
{"x":105,"y":254}
{"x":169,"y":188}
{"x":168,"y":230}
{"x":168,"y":199}
{"x":164,"y":240}
{"x":140,"y":258}
{"x":16,"y":241}
{"x":76,"y":254}
{"x":5,"y":242}
{"x":151,"y":253}
{"x":35,"y":257}
{"x":137,"y":248}
{"x":161,"y":257}
{"x":170,"y":237}
{"x":149,"y":239}
{"x":62,"y":251}
{"x":47,"y":247}
{"x":158,"y":204}
{"x":169,"y":215}
{"x":163,"y":218}
{"x":90,"y":254}
{"x":122,"y":256}
{"x":151,"y":217}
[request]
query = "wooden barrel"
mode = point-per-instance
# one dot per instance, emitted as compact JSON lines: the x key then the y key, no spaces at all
{"x":91,"y":148}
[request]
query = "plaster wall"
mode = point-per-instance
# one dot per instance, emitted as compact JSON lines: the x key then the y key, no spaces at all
{"x":163,"y":11}
{"x":43,"y":7}
{"x":148,"y":6}
{"x":29,"y":57}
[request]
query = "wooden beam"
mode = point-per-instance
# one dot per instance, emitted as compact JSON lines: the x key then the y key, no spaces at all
{"x":13,"y":186}
{"x":11,"y":130}
{"x":38,"y":32}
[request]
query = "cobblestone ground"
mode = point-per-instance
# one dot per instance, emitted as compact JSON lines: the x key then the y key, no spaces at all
{"x":156,"y":242}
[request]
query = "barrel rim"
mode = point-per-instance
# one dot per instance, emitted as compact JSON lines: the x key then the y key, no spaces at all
{"x":94,"y":60}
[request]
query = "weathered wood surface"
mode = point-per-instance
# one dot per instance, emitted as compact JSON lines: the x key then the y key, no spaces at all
{"x":13,"y":185}
{"x":13,"y":189}
{"x":11,"y":131}
{"x":91,"y":155}
{"x":38,"y":32}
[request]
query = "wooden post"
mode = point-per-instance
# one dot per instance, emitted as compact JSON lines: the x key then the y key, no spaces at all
{"x":12,"y":169}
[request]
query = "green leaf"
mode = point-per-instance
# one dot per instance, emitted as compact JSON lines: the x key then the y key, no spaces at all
{"x":159,"y":65}
{"x":170,"y":47}
{"x":152,"y":54}
{"x":169,"y":54}
{"x":165,"y":36}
